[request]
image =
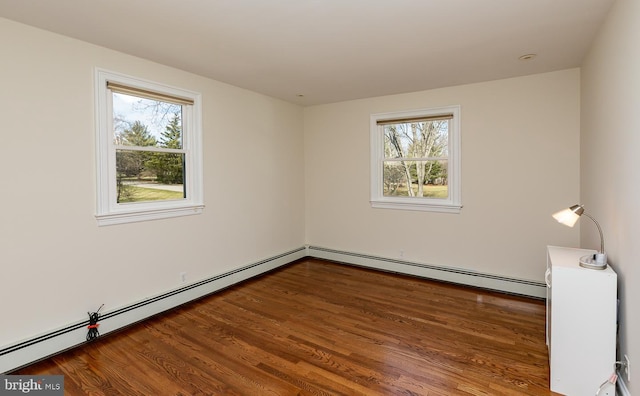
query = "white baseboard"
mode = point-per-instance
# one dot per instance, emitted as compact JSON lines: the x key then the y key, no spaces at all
{"x":57,"y":340}
{"x":447,"y":274}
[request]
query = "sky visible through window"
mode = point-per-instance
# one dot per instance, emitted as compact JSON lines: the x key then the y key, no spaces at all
{"x":153,"y":114}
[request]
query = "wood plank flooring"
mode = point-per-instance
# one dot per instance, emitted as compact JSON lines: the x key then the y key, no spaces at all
{"x":320,"y":328}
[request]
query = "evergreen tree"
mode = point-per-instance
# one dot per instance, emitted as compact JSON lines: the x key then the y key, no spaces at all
{"x":137,"y":135}
{"x":172,"y":136}
{"x":169,"y":167}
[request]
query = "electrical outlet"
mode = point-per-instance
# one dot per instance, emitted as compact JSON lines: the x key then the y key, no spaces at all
{"x":183,"y":277}
{"x":627,"y":367}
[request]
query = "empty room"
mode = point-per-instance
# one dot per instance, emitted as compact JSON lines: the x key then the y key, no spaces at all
{"x":319,"y":197}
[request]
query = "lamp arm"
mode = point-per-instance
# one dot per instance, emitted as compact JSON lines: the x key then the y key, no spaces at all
{"x":599,"y":230}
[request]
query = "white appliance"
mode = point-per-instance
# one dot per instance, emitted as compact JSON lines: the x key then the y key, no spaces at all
{"x":581,"y":323}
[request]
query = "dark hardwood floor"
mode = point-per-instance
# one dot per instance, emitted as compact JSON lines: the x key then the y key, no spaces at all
{"x":319,"y":328}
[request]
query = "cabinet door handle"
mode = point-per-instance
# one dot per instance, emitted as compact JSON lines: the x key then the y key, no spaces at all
{"x":547,"y":274}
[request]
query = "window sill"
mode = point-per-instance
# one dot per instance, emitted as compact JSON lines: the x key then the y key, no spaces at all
{"x":422,"y":207}
{"x":146,"y":215}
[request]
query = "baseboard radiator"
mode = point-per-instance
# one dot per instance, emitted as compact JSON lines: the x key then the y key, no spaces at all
{"x":55,"y":341}
{"x":446,"y":274}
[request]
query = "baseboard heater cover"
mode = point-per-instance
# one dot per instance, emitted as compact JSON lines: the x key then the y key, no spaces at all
{"x":447,"y":274}
{"x":33,"y":349}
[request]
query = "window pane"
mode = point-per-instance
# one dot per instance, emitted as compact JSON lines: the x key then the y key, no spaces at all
{"x":149,"y":176}
{"x":427,"y":179}
{"x":425,"y":139}
{"x":144,"y":122}
{"x":415,"y":160}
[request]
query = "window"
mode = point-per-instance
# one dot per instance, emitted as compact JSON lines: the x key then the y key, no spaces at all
{"x":415,"y":160}
{"x":148,"y":150}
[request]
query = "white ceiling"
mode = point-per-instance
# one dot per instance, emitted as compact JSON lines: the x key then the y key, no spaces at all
{"x":332,"y":50}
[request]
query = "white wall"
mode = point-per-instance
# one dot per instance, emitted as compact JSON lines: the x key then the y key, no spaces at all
{"x":520,"y":163}
{"x":610,"y":158}
{"x":56,"y":263}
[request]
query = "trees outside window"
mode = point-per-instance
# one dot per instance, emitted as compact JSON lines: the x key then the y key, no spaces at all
{"x":169,"y":169}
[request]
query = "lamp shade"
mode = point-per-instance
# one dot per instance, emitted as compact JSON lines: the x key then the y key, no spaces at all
{"x":569,"y":216}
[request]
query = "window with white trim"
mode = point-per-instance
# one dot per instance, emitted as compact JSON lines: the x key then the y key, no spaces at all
{"x":415,"y":160}
{"x":148,"y":150}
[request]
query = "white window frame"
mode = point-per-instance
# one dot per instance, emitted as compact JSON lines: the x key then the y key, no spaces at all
{"x":450,"y":205}
{"x":108,"y":211}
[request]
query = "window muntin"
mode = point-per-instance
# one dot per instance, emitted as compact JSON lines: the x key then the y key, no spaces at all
{"x":148,"y":150}
{"x":415,"y":160}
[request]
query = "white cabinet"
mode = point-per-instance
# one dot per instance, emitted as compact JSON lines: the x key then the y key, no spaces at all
{"x":581,"y":322}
